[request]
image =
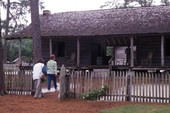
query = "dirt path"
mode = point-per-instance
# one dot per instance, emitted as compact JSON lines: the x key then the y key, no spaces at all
{"x":50,"y":104}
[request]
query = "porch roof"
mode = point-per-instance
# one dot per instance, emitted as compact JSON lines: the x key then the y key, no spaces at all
{"x":141,"y":20}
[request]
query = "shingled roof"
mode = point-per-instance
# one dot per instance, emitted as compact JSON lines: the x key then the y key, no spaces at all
{"x":141,"y":20}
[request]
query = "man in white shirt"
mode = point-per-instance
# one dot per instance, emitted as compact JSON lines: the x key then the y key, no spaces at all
{"x":37,"y":75}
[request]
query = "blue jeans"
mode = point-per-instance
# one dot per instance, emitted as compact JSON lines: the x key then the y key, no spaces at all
{"x":51,"y":77}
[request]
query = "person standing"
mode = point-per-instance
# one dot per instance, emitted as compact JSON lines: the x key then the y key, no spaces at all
{"x":127,"y":51}
{"x":37,"y":75}
{"x":52,"y":72}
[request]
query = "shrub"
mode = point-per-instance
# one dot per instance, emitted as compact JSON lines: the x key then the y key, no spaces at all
{"x":93,"y":95}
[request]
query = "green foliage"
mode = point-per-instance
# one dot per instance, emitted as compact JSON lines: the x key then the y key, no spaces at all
{"x":93,"y":95}
{"x":165,"y":2}
{"x":19,"y":11}
{"x":26,"y":50}
{"x":138,"y":109}
{"x":133,"y":3}
{"x":12,"y":50}
{"x":109,"y":50}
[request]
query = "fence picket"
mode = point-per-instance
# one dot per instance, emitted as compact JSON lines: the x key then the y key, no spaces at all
{"x":144,"y":86}
{"x":163,"y":88}
{"x":18,"y":82}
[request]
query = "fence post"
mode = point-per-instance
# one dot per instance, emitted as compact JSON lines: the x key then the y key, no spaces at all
{"x":64,"y":83}
{"x":129,"y":85}
{"x":33,"y":88}
{"x":67,"y":76}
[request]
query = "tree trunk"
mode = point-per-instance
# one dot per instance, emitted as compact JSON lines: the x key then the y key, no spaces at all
{"x":7,"y":18}
{"x":6,"y":31}
{"x":2,"y":85}
{"x":36,"y":34}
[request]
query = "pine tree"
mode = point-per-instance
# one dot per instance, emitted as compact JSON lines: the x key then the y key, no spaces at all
{"x":2,"y":85}
{"x":36,"y":36}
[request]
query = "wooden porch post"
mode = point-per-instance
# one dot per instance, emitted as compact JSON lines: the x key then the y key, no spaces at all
{"x":50,"y":44}
{"x":20,"y":60}
{"x":5,"y":52}
{"x":162,"y":50}
{"x":131,"y":52}
{"x":78,"y":51}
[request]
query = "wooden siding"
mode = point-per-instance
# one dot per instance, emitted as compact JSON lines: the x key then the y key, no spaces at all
{"x":86,"y":49}
{"x":152,"y":43}
{"x":147,"y":44}
{"x":89,"y":54}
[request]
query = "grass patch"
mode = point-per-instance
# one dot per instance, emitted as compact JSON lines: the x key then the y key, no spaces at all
{"x":139,"y":109}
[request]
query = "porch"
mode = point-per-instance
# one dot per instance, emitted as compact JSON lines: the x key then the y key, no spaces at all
{"x":140,"y":52}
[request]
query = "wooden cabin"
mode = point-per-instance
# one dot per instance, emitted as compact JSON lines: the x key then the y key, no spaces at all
{"x":97,"y":38}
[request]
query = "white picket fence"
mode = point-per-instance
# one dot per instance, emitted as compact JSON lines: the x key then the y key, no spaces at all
{"x":137,"y":87}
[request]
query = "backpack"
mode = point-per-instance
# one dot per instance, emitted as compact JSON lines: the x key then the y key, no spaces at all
{"x":44,"y":70}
